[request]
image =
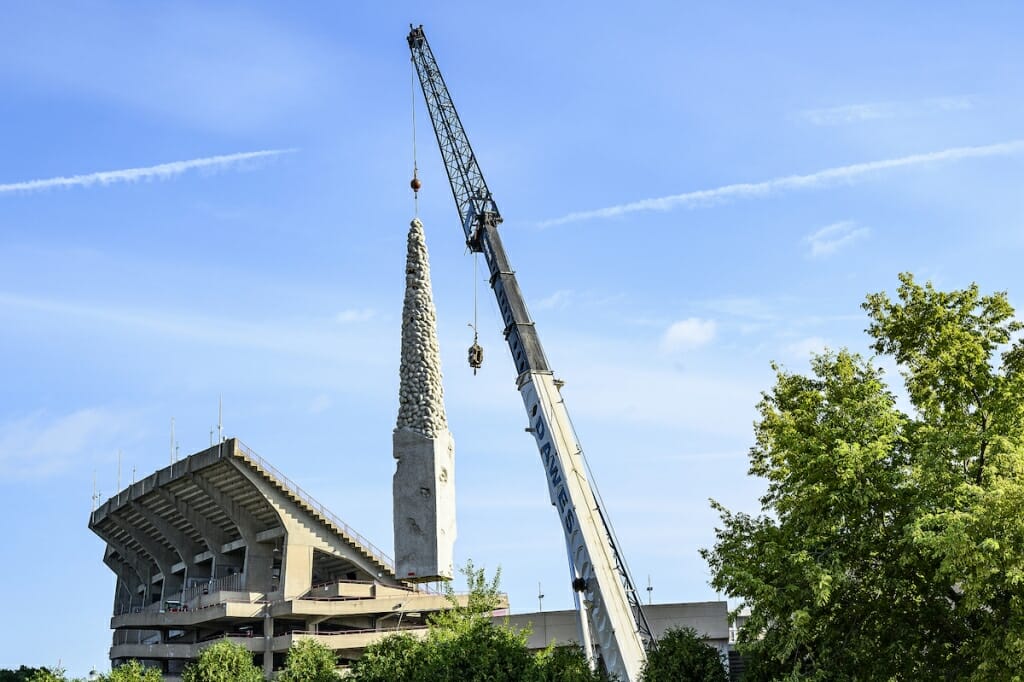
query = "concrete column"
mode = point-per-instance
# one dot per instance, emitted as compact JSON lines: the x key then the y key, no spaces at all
{"x":161,"y":556}
{"x":268,"y":645}
{"x":210,"y":532}
{"x":296,"y":568}
{"x":424,"y":482}
{"x":259,"y":558}
{"x":128,"y":581}
{"x":424,"y":505}
{"x":183,"y":544}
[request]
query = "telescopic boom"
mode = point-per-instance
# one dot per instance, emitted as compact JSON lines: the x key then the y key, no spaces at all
{"x":613,"y":628}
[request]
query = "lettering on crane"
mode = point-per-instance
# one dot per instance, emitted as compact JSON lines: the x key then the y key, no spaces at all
{"x":556,"y":479}
{"x":600,"y":619}
{"x":512,"y":336}
{"x":515,"y":344}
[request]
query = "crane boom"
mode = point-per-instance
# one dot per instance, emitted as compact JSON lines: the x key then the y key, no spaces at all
{"x":608,"y":604}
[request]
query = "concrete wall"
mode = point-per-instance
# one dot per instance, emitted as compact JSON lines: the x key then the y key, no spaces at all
{"x":424,"y":505}
{"x":710,"y":619}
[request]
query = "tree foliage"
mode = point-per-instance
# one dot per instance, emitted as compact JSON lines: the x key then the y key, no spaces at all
{"x":48,"y":675}
{"x":224,"y":661}
{"x":682,"y":656}
{"x":22,"y":674}
{"x":564,"y":663}
{"x":132,"y":671}
{"x":309,"y":661}
{"x":891,"y":546}
{"x":463,"y":643}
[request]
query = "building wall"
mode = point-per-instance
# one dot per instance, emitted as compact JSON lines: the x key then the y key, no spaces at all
{"x":710,"y":619}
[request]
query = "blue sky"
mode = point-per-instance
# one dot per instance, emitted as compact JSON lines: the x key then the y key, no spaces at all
{"x":690,"y":192}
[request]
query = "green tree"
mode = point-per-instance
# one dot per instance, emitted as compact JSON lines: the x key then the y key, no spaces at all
{"x":476,"y":649}
{"x":22,"y":674}
{"x":309,"y":661}
{"x":49,"y":675}
{"x":133,"y":671}
{"x":682,"y":656}
{"x":890,"y":546}
{"x":566,"y":663}
{"x":224,"y":661}
{"x":395,"y":657}
{"x":463,"y":643}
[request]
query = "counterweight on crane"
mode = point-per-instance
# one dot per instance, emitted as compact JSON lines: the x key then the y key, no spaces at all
{"x":612,"y":624}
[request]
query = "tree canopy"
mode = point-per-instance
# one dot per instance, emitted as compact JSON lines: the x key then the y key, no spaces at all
{"x":890,"y":545}
{"x":22,"y":674}
{"x":133,"y":671}
{"x":463,"y":643}
{"x":309,"y":661}
{"x":683,"y":656}
{"x":223,"y":661}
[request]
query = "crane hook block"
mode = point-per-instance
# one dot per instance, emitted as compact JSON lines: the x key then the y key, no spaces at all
{"x":476,"y":356}
{"x":415,"y":184}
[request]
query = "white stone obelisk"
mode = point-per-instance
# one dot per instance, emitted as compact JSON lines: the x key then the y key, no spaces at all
{"x":424,"y":482}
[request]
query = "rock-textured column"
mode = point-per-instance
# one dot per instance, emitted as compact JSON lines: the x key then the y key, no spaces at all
{"x":424,"y":482}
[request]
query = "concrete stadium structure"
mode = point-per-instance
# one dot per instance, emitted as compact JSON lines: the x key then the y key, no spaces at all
{"x":222,"y":545}
{"x":710,"y":620}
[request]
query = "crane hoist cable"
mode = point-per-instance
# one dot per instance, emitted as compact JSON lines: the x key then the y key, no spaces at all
{"x":476,"y":352}
{"x":415,"y":182}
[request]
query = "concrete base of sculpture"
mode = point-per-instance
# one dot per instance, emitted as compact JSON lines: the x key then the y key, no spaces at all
{"x":424,"y":505}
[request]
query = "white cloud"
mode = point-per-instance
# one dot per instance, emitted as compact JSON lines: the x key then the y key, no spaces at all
{"x":38,"y":445}
{"x":686,"y":334}
{"x":803,"y":348}
{"x":822,"y":178}
{"x":313,"y":336}
{"x":162,"y":171}
{"x":557,"y":300}
{"x":831,"y":238}
{"x":871,"y":111}
{"x":355,"y":315}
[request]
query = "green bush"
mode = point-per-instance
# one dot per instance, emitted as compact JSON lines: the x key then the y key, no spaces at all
{"x":133,"y":671}
{"x":309,"y":661}
{"x":464,"y":644}
{"x":682,"y":656}
{"x":223,"y":662}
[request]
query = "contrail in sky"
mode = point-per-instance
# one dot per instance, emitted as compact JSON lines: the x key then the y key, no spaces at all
{"x":746,"y":190}
{"x":160,"y":172}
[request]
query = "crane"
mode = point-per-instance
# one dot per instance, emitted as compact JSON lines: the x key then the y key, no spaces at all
{"x":613,"y":629}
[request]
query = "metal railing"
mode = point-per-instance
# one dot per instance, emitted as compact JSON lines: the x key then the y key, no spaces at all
{"x":229,"y":583}
{"x":309,"y":500}
{"x":343,"y":633}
